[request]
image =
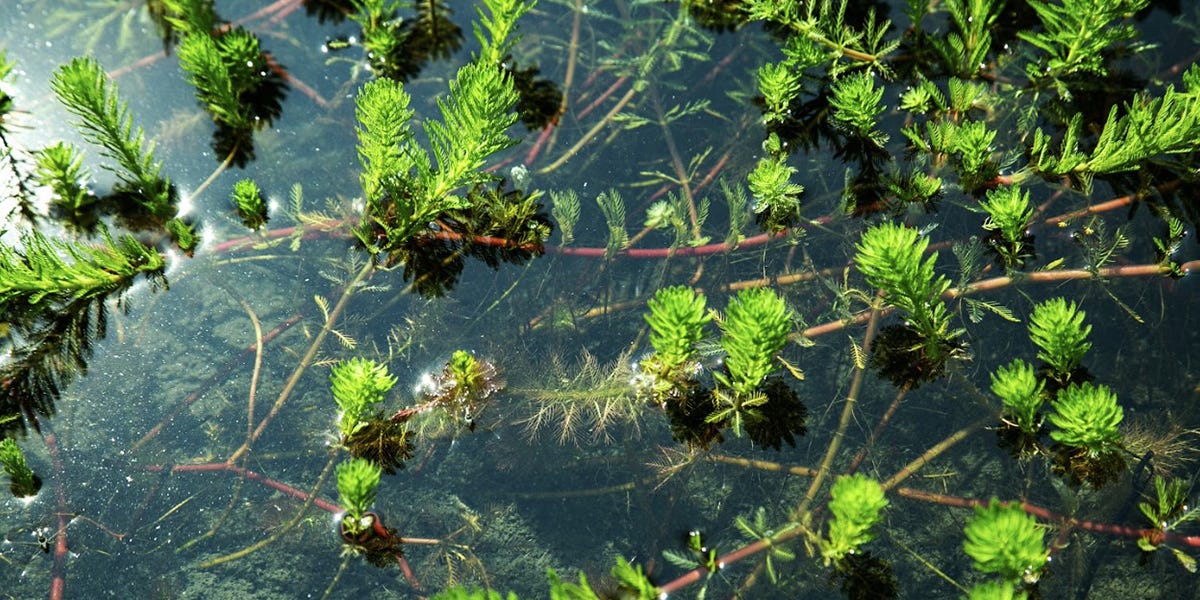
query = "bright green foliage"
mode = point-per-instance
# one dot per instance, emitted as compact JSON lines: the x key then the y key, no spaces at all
{"x":475,"y":116}
{"x":676,"y":319}
{"x":1003,"y":539}
{"x":1056,"y":327}
{"x":406,"y":187}
{"x":249,"y":202}
{"x":1076,"y":33}
{"x":996,"y":590}
{"x":384,"y":134}
{"x":632,"y":584}
{"x":1087,"y":417}
{"x":923,"y":98}
{"x":1149,"y":128}
{"x":856,"y":104}
{"x":1009,"y":213}
{"x":85,"y":91}
{"x":1019,"y":388}
{"x":224,"y":69}
{"x":496,"y":28}
{"x":776,"y":197}
{"x":632,"y":581}
{"x":779,"y":85}
{"x":191,"y":17}
{"x":965,"y":50}
{"x":754,"y":331}
{"x":359,"y":386}
{"x":357,"y":483}
{"x":24,"y":482}
{"x":55,"y":271}
{"x":972,"y":143}
{"x":855,"y":506}
{"x":60,"y":168}
{"x":890,"y":257}
{"x":183,"y":233}
{"x":462,"y":593}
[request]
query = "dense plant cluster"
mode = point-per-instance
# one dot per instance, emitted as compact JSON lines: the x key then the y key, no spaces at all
{"x":806,"y":255}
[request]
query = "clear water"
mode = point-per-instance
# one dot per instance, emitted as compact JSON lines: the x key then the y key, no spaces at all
{"x":170,"y":384}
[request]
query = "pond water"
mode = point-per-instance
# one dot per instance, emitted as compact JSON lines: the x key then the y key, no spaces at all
{"x":193,"y":457}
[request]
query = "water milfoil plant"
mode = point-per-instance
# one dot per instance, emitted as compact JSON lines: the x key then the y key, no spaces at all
{"x":1057,"y":328}
{"x":23,"y":482}
{"x":892,"y":258}
{"x":1002,"y":539}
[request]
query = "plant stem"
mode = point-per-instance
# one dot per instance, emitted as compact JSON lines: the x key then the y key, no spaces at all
{"x":309,"y":355}
{"x":798,"y":515}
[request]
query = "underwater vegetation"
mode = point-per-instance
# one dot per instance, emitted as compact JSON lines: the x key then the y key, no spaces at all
{"x":599,"y":298}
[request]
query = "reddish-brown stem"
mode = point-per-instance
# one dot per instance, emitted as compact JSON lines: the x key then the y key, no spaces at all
{"x":1156,"y":536}
{"x":58,"y":573}
{"x":248,"y":474}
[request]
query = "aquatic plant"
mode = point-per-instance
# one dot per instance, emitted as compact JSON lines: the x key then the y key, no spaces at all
{"x":1086,"y":417}
{"x":1056,"y":327}
{"x":1009,"y":214}
{"x":776,"y":196}
{"x":436,"y":192}
{"x":357,"y":484}
{"x":677,"y":317}
{"x":996,"y":590}
{"x":359,"y":386}
{"x":23,"y":481}
{"x":1003,"y":540}
{"x":856,"y":104}
{"x":753,"y":331}
{"x":249,"y":203}
{"x":855,"y":505}
{"x":890,"y":256}
{"x":1021,"y":392}
{"x":85,"y":91}
{"x":60,"y":168}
